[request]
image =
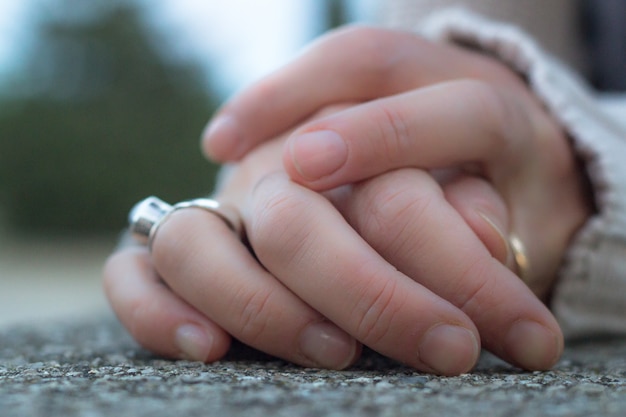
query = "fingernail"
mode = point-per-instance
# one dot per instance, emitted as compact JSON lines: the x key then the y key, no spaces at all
{"x":222,"y":138}
{"x":327,"y":346}
{"x":194,"y":343}
{"x":318,"y":154}
{"x":507,"y":255}
{"x":449,"y":349}
{"x":532,"y":345}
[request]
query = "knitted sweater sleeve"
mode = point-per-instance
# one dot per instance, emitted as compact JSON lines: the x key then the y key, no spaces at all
{"x":590,"y":297}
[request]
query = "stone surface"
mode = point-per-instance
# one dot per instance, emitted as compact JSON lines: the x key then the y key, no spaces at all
{"x":94,"y":369}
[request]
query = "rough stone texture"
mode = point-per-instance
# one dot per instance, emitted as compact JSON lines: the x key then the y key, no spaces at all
{"x":94,"y":369}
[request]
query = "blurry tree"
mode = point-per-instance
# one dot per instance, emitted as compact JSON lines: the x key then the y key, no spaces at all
{"x":99,"y":118}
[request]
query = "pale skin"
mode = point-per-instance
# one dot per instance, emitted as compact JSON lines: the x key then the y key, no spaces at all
{"x":414,"y":267}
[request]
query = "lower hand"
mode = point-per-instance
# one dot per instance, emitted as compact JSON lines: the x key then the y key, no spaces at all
{"x":416,"y":284}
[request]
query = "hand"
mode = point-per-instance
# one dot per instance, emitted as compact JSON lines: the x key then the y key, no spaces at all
{"x":436,"y":106}
{"x":534,"y":344}
{"x":323,"y":285}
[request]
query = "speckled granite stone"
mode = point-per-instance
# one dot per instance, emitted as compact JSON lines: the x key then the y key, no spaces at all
{"x":94,"y":369}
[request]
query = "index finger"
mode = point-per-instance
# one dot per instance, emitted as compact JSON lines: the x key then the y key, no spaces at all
{"x":448,"y":124}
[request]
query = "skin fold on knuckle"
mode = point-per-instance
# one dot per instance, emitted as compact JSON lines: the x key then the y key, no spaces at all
{"x":476,"y":286}
{"x":376,"y":309}
{"x":393,"y":136}
{"x":393,"y":202}
{"x":277,"y":230}
{"x":253,"y":315}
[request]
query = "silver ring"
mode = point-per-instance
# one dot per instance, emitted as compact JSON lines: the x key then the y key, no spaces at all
{"x":228,"y":214}
{"x":147,"y":215}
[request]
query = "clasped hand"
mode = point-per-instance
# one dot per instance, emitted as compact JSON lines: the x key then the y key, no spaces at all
{"x":378,"y":176}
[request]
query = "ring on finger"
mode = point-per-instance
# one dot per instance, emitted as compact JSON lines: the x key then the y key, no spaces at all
{"x":150,"y":213}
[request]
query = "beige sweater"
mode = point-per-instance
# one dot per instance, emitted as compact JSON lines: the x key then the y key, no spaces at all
{"x":590,"y":297}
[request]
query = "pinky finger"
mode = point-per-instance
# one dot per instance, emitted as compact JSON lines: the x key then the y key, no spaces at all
{"x":156,"y":318}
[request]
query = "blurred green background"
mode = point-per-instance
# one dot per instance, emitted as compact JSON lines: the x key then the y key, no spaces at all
{"x":100,"y":117}
{"x":105,"y":108}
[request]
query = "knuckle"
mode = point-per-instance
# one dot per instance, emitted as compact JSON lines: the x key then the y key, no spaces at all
{"x":376,"y":310}
{"x":394,"y":131}
{"x":475,"y":285}
{"x":254,"y":314}
{"x":275,"y":223}
{"x":391,"y":202}
{"x":273,"y":205}
{"x":500,"y":116}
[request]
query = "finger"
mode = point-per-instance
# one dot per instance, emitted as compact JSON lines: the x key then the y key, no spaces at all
{"x":500,"y":131}
{"x":484,"y":211}
{"x":157,"y":318}
{"x":445,"y":125}
{"x":307,"y":244}
{"x":406,"y":218}
{"x":205,"y":264}
{"x":348,"y":65}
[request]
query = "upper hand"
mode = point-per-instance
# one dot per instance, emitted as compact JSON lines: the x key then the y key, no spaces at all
{"x":435,"y":106}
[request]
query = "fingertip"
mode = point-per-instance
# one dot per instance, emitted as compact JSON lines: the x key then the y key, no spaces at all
{"x":449,"y":349}
{"x":222,"y":140}
{"x":199,"y":343}
{"x":311,"y":157}
{"x":534,"y":346}
{"x":155,"y":317}
{"x":164,"y":324}
{"x":329,"y":347}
